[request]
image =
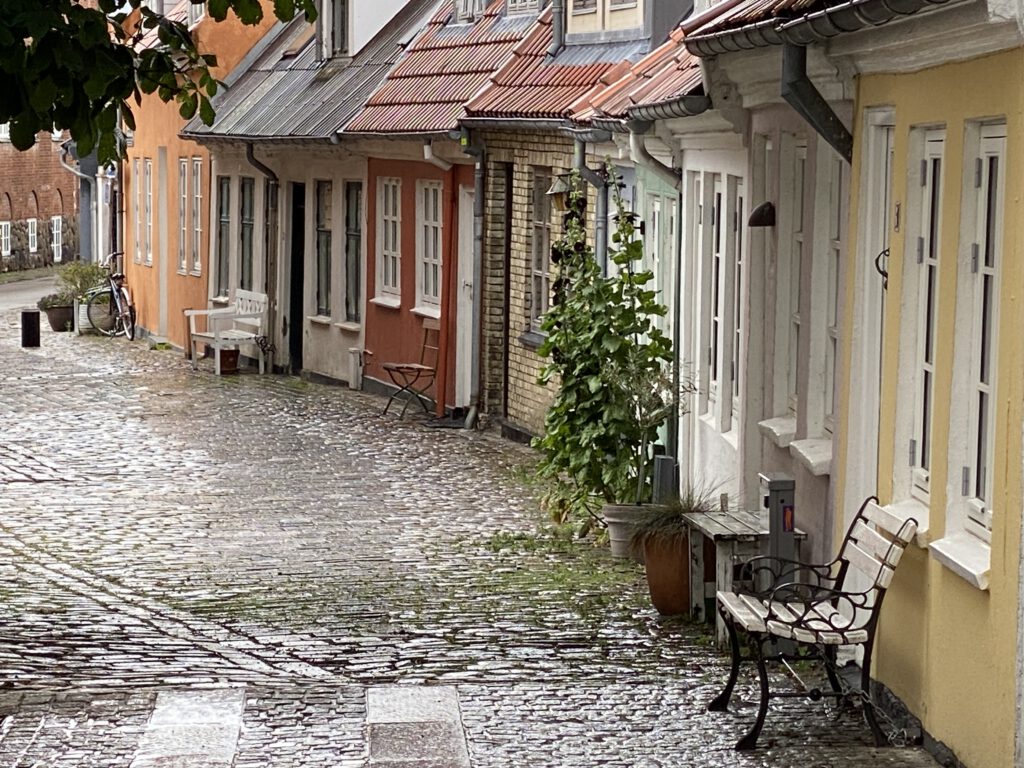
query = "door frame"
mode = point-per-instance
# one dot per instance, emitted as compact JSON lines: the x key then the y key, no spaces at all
{"x":465,"y":289}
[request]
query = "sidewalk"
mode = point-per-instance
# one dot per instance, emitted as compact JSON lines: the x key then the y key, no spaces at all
{"x":240,"y":571}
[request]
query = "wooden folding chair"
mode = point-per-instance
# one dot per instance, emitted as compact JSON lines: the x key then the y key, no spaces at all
{"x":414,"y":379}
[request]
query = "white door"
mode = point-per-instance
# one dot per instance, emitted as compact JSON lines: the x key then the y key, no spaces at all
{"x":464,"y":308}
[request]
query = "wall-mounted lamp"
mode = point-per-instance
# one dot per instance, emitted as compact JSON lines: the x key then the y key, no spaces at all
{"x":762,"y":216}
{"x":559,"y":191}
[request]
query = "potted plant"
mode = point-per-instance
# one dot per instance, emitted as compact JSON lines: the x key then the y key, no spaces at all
{"x":75,"y":279}
{"x":662,"y":535}
{"x":609,"y":360}
{"x":59,"y":309}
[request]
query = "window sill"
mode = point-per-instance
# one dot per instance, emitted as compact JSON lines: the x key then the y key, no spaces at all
{"x":319,"y":319}
{"x":780,"y":431}
{"x":913,"y":508}
{"x":349,"y":326}
{"x":425,"y":311}
{"x":813,"y":454}
{"x":196,"y":273}
{"x":965,"y":555}
{"x":387,"y":302}
{"x":583,"y":11}
{"x":532,"y":339}
{"x":220,"y":301}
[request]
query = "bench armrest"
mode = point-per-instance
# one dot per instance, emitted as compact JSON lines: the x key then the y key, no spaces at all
{"x":794,"y":604}
{"x":774,"y":572}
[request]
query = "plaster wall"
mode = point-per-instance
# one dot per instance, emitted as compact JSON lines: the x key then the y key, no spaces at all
{"x":948,"y":649}
{"x":370,"y":18}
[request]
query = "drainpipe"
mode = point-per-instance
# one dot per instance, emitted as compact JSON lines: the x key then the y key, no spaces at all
{"x":479,"y":177}
{"x":800,"y":93}
{"x":598,"y":179}
{"x":272,"y":254}
{"x":557,"y":28}
{"x":93,"y":203}
{"x":640,"y":155}
{"x":430,"y":157}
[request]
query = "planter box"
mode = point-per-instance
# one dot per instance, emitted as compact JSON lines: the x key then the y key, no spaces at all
{"x":61,"y":318}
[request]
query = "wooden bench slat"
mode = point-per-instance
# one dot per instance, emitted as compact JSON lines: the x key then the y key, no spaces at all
{"x":872,"y":567}
{"x":892,"y":524}
{"x":876,"y":544}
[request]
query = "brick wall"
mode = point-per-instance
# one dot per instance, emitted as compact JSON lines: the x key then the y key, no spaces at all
{"x":34,"y":185}
{"x":516,"y":153}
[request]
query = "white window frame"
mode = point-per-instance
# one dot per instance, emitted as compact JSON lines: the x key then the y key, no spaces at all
{"x":796,"y":251}
{"x":57,"y":238}
{"x":183,"y":202}
{"x":467,"y":11}
{"x":148,"y":192}
{"x":429,"y":245}
{"x":33,"y":235}
{"x":5,"y":238}
{"x":323,"y":226}
{"x":197,"y":215}
{"x":389,"y":240}
{"x":137,"y":206}
{"x":539,"y":296}
{"x":354,"y":201}
{"x":834,"y":251}
{"x":926,"y":258}
{"x":739,"y":224}
{"x":5,"y":131}
{"x":521,"y":6}
{"x":246,"y":232}
{"x":716,"y":265}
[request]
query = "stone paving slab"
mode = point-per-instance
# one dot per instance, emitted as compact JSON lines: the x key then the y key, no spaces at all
{"x":164,"y":531}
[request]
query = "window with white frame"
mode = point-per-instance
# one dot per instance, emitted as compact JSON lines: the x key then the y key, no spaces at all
{"x":137,"y":208}
{"x":196,"y":11}
{"x":353,"y":250}
{"x":469,"y":10}
{"x":389,"y":234}
{"x":835,"y":246}
{"x":794,"y":277}
{"x":521,"y":6}
{"x":428,"y":243}
{"x":717,"y":267}
{"x":324,"y":209}
{"x":738,"y":329}
{"x":927,"y":278}
{"x":57,"y":238}
{"x":5,"y":238}
{"x":183,"y":214}
{"x":337,"y":22}
{"x":197,"y":214}
{"x":979,"y":281}
{"x":5,"y":131}
{"x":246,"y":225}
{"x":223,"y":234}
{"x":148,"y":184}
{"x":33,"y":235}
{"x":540,"y":266}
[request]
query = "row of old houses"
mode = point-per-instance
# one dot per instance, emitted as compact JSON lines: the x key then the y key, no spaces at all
{"x":828,"y":194}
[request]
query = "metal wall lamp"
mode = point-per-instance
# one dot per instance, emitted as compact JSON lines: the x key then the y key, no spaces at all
{"x":762,"y":216}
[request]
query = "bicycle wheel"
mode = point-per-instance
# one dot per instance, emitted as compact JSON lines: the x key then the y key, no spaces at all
{"x":129,"y":324}
{"x":101,"y":314}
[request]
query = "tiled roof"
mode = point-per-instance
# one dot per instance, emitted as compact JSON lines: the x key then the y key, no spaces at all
{"x":285,"y":93}
{"x":735,"y":15}
{"x":532,"y":86}
{"x":445,"y":68}
{"x":668,"y":72}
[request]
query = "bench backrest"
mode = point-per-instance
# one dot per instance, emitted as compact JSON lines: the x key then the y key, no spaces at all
{"x":875,"y":543}
{"x":250,"y":302}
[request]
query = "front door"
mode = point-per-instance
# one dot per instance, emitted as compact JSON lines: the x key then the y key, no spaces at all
{"x":464,"y":311}
{"x":296,"y":278}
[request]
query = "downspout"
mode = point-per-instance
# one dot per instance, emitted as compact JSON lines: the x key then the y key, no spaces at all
{"x":598,"y":179}
{"x":557,"y":28}
{"x":93,"y":209}
{"x":272,"y":254}
{"x":641,"y":156}
{"x":430,"y":157}
{"x":800,"y":93}
{"x":479,"y":178}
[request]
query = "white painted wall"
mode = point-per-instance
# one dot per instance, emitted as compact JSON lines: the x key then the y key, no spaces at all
{"x":370,"y":18}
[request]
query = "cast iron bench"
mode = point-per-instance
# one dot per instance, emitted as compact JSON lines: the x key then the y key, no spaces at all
{"x":242,"y":322}
{"x":808,"y":611}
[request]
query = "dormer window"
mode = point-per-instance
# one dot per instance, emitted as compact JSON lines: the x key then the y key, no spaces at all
{"x":469,"y":10}
{"x":521,"y":6}
{"x":196,"y":11}
{"x":335,"y":28}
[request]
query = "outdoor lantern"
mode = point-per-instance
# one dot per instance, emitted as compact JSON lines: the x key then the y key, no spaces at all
{"x":559,"y":191}
{"x":762,"y":216}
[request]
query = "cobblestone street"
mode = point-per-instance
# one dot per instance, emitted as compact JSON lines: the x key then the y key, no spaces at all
{"x":277,"y":551}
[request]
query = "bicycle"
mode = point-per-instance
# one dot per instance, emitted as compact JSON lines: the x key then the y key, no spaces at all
{"x":110,"y":309}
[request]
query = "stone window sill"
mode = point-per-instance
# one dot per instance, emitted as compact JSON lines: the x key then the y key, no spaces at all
{"x":388,"y":302}
{"x":965,"y":555}
{"x":427,"y":311}
{"x":319,"y":319}
{"x":913,"y":508}
{"x":780,"y":431}
{"x":532,"y":339}
{"x":814,"y":454}
{"x":349,"y":326}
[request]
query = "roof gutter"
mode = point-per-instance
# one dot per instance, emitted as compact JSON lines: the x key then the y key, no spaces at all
{"x":684,"y":106}
{"x":818,"y":26}
{"x":515,"y":123}
{"x":800,"y":93}
{"x":642,"y":156}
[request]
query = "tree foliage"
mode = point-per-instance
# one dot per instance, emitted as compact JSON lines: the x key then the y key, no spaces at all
{"x":70,"y":66}
{"x":608,"y":357}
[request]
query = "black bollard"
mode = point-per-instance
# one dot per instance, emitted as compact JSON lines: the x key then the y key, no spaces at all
{"x":30,"y":328}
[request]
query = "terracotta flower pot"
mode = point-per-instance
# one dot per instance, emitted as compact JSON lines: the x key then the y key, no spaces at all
{"x":667,"y":560}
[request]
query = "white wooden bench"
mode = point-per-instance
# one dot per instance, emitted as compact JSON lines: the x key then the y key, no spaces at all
{"x":244,"y":321}
{"x":807,"y":611}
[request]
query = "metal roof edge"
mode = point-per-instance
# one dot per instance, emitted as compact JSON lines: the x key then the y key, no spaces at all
{"x":513,"y":123}
{"x":681,"y":106}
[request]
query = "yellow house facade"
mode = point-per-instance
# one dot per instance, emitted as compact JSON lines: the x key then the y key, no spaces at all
{"x":932,"y":401}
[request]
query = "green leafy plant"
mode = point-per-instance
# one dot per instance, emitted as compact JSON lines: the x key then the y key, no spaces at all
{"x":51,"y":300}
{"x":75,"y":278}
{"x":609,"y":359}
{"x":665,"y":521}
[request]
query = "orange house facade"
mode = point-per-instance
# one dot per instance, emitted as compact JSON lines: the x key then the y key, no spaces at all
{"x":167,"y":191}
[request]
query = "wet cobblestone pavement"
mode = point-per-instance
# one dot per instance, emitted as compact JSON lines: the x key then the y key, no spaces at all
{"x":163,"y":530}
